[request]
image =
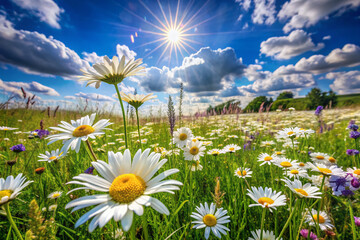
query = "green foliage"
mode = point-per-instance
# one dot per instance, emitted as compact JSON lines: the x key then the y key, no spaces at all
{"x":229,"y":105}
{"x":317,"y":98}
{"x":285,"y":95}
{"x":255,"y":104}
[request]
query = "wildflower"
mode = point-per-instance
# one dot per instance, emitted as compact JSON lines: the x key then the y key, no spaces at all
{"x":353,"y":127}
{"x":40,"y":170}
{"x":323,"y":221}
{"x":355,"y":171}
{"x":318,"y":110}
{"x":55,"y":155}
{"x":318,"y":157}
{"x":324,"y":170}
{"x":77,"y":131}
{"x":89,"y":170}
{"x":11,"y":162}
{"x":194,"y":150}
{"x":285,"y":162}
{"x":266,"y":198}
{"x":11,"y":187}
{"x":55,"y":195}
{"x":207,"y":218}
{"x":305,"y":233}
{"x":39,"y":133}
{"x":296,"y":172}
{"x":18,"y":148}
{"x":291,"y":109}
{"x":357,"y":221}
{"x":53,"y":207}
{"x":215,"y":152}
{"x":243,"y":172}
{"x":268,"y":235}
{"x":3,"y":128}
{"x":126,"y":184}
{"x":301,"y":190}
{"x":231,"y":148}
{"x":136,"y":100}
{"x":196,"y":166}
{"x":352,"y":152}
{"x":182,"y":136}
{"x":354,"y":134}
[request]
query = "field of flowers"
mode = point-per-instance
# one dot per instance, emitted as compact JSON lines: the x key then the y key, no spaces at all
{"x":292,"y":174}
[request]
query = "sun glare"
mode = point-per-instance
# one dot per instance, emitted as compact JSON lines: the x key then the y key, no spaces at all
{"x":173,"y":36}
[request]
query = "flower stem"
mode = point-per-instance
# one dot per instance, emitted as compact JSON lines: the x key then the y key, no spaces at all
{"x":138,"y":125}
{"x":145,"y":227}
{"x":13,"y":225}
{"x":352,"y":220}
{"x":287,"y":222}
{"x":123,"y":113}
{"x":90,"y":149}
{"x":262,"y":223}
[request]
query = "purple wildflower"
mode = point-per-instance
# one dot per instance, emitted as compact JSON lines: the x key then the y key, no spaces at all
{"x":357,"y":221}
{"x":340,"y":185}
{"x":355,"y":183}
{"x":352,"y":152}
{"x":305,"y":232}
{"x":353,"y":127}
{"x":318,"y":110}
{"x":18,"y":148}
{"x":90,"y":170}
{"x":354,"y":134}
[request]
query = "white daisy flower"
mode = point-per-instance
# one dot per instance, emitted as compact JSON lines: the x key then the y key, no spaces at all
{"x":266,"y":198}
{"x":11,"y":187}
{"x":318,"y":157}
{"x":55,"y":155}
{"x":79,"y":130}
{"x":317,"y":180}
{"x":4,"y":128}
{"x":207,"y":218}
{"x":286,"y":163}
{"x":267,"y":235}
{"x":266,"y":158}
{"x":323,"y":221}
{"x":231,"y":148}
{"x":182,"y":136}
{"x":126,"y":185}
{"x":53,"y":207}
{"x":196,"y":166}
{"x":355,"y":171}
{"x":306,"y":190}
{"x":242,"y":172}
{"x":194,"y":150}
{"x":326,"y":170}
{"x":296,"y":172}
{"x":267,"y":143}
{"x":55,"y":195}
{"x":288,"y":133}
{"x":215,"y":152}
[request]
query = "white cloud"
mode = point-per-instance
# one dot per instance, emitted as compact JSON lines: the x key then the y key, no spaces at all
{"x":90,"y":96}
{"x":124,"y":50}
{"x":290,"y":46}
{"x":306,"y":13}
{"x":345,"y":82}
{"x":34,"y":53}
{"x":328,"y":37}
{"x":245,"y":4}
{"x":47,"y":10}
{"x":264,"y":12}
{"x":31,"y":88}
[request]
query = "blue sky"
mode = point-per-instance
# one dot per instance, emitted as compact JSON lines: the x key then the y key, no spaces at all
{"x":237,"y":49}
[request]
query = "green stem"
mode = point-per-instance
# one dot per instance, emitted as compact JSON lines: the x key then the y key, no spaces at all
{"x":262,"y":223}
{"x":13,"y":225}
{"x":138,"y":125}
{"x":288,"y":221}
{"x":352,"y":220}
{"x":133,"y":232}
{"x":123,"y":113}
{"x":145,"y":227}
{"x":90,"y":149}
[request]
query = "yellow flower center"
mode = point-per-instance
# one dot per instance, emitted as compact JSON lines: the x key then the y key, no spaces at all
{"x":332,"y":160}
{"x":301,"y":191}
{"x":83,"y":130}
{"x":286,"y":164}
{"x":265,"y":201}
{"x":357,"y":171}
{"x":194,"y":150}
{"x":241,"y":173}
{"x":5,"y":193}
{"x":56,"y":195}
{"x":302,"y":164}
{"x":183,"y":136}
{"x":267,"y":144}
{"x":215,"y":153}
{"x":126,"y":188}
{"x":294,"y":171}
{"x":209,"y":220}
{"x":5,"y":129}
{"x":321,"y":218}
{"x":302,"y":129}
{"x":268,"y":158}
{"x":290,"y":133}
{"x":52,"y":158}
{"x":320,"y":157}
{"x":231,"y":149}
{"x":324,"y":170}
{"x":278,"y":153}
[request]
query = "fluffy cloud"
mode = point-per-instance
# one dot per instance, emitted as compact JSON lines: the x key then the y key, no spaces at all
{"x":33,"y":52}
{"x":264,"y":11}
{"x":253,"y":72}
{"x":47,"y":10}
{"x":306,"y":13}
{"x":33,"y":87}
{"x":90,"y":96}
{"x":348,"y":56}
{"x":124,"y":50}
{"x":345,"y":82}
{"x":290,"y":46}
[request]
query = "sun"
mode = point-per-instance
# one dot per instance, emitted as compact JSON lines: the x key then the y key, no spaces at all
{"x":173,"y":36}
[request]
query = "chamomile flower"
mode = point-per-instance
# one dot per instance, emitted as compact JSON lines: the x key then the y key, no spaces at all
{"x":196,"y":166}
{"x":242,"y":172}
{"x":323,"y":221}
{"x":318,"y":157}
{"x":266,"y":158}
{"x":194,"y":150}
{"x":325,"y":170}
{"x":4,"y":128}
{"x":301,"y":190}
{"x":267,"y":143}
{"x":215,"y":152}
{"x":126,"y":185}
{"x":266,"y":198}
{"x":288,"y":133}
{"x":206,"y":217}
{"x":55,"y":155}
{"x":55,"y":195}
{"x":182,"y":136}
{"x":355,"y":171}
{"x":267,"y":235}
{"x":285,"y":162}
{"x":11,"y":187}
{"x":231,"y":148}
{"x":79,"y":130}
{"x":296,"y":172}
{"x":136,"y":100}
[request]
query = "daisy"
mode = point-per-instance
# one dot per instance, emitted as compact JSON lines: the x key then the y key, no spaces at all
{"x":280,"y":153}
{"x":111,"y":71}
{"x":285,"y":162}
{"x":288,"y":133}
{"x":317,"y":180}
{"x":136,"y":100}
{"x":306,"y":190}
{"x":266,"y":158}
{"x":325,"y":170}
{"x":207,"y":218}
{"x":323,"y":221}
{"x":243,"y":172}
{"x":267,"y":143}
{"x":79,"y":130}
{"x":53,"y":207}
{"x":196,"y":166}
{"x":296,"y":172}
{"x":318,"y":157}
{"x":3,"y":128}
{"x":126,"y":186}
{"x":215,"y":152}
{"x":10,"y":187}
{"x":267,"y":235}
{"x":194,"y":150}
{"x":55,"y":195}
{"x":182,"y":136}
{"x":355,"y":171}
{"x":266,"y":198}
{"x":231,"y":148}
{"x":55,"y":155}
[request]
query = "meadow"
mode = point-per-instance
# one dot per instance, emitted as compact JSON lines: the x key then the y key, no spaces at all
{"x":229,"y":163}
